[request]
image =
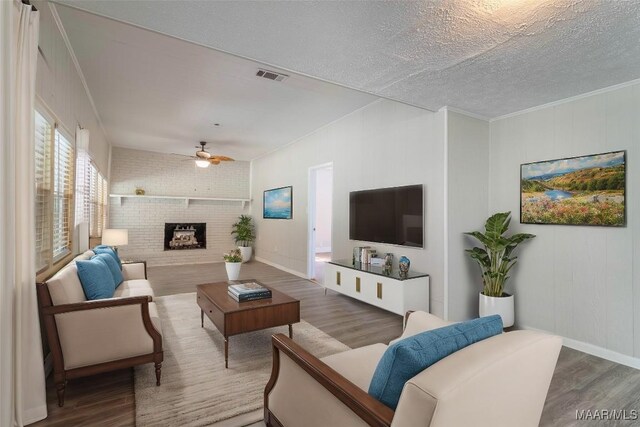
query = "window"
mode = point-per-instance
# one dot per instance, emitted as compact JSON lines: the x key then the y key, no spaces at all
{"x":54,"y":170}
{"x":62,"y":196}
{"x":98,"y":203}
{"x":91,"y":195}
{"x":43,"y":135}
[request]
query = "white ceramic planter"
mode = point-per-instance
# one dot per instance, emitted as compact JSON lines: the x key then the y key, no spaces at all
{"x":233,"y":270}
{"x":498,"y":305}
{"x":245,"y":251}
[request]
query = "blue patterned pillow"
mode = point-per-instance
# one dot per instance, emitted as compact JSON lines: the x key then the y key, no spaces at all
{"x":407,"y":358}
{"x":96,"y":279}
{"x":113,"y":267}
{"x":104,"y":249}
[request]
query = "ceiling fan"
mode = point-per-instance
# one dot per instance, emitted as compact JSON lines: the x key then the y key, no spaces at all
{"x":204,"y":158}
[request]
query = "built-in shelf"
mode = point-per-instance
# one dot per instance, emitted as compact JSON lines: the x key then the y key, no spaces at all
{"x":186,"y":199}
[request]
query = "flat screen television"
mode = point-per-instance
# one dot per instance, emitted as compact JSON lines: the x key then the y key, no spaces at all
{"x":388,"y":215}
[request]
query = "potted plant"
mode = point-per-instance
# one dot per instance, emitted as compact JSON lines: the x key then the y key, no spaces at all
{"x":233,"y":262}
{"x":244,"y":235}
{"x":496,"y":260}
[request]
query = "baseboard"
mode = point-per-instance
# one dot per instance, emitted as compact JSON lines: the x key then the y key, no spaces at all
{"x":593,"y":350}
{"x":281,"y":267}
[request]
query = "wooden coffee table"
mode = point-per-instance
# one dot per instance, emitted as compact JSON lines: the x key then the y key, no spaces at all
{"x":234,"y":318}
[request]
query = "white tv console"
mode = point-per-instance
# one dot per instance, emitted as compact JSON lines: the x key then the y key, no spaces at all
{"x":372,"y":285}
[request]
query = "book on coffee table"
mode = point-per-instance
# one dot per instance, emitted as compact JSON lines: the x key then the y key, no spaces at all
{"x":247,"y":288}
{"x":250,"y":297}
{"x":248,"y":291}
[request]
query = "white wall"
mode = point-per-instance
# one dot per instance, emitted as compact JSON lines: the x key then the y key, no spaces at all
{"x":467,"y":198}
{"x":324,"y":202}
{"x":579,"y":282}
{"x":171,"y":175}
{"x":381,"y":145}
{"x":59,"y":87}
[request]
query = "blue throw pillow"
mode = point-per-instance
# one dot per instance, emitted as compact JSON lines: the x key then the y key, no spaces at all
{"x":407,"y":358}
{"x":104,"y":249}
{"x":113,"y":267}
{"x":96,"y":279}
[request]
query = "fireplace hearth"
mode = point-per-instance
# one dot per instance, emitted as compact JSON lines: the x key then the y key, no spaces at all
{"x":185,"y":235}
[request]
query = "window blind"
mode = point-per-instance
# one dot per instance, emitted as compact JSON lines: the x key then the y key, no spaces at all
{"x":83,"y":187}
{"x":43,"y":137}
{"x":91,"y":195}
{"x":98,"y":203}
{"x":62,"y":195}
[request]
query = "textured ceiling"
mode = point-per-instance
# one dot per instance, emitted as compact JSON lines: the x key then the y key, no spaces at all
{"x":158,"y":93}
{"x":489,"y":57}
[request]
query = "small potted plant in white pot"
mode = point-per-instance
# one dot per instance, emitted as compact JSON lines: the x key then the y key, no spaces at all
{"x":233,"y":262}
{"x":244,"y":235}
{"x":495,"y":260}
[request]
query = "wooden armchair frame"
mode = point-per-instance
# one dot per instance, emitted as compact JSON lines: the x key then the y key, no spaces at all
{"x":60,"y":374}
{"x":370,"y":410}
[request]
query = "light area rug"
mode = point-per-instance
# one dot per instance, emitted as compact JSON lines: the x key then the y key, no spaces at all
{"x":196,"y":388}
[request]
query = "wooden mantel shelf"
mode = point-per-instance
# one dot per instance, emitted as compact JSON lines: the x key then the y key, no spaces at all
{"x":186,"y":199}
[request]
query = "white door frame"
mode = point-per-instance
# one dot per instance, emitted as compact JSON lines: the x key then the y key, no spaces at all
{"x":311,"y":235}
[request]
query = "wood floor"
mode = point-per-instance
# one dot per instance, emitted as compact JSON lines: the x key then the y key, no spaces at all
{"x":581,"y":381}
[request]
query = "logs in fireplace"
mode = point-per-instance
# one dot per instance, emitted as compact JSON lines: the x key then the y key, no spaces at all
{"x":188,"y":235}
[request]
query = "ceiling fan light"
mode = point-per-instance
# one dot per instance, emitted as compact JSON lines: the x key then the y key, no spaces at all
{"x":202,"y":163}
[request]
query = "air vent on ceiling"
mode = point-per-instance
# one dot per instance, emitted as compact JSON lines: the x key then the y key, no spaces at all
{"x":271,"y":75}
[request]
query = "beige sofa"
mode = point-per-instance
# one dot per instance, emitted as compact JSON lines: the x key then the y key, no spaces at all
{"x":500,"y":381}
{"x":90,"y":337}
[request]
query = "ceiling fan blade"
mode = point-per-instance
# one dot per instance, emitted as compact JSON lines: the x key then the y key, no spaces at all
{"x":214,"y":161}
{"x":223,"y":158}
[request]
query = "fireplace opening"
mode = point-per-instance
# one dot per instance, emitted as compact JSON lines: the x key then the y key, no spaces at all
{"x":185,"y":235}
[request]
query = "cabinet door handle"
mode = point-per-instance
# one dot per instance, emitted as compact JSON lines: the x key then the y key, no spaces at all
{"x":337,"y":278}
{"x":379,"y":290}
{"x":357,"y":284}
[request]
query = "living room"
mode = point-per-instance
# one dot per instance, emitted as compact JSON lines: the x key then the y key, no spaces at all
{"x":243,"y":211}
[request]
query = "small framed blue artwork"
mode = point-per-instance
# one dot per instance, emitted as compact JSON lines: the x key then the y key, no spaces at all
{"x":278,"y":203}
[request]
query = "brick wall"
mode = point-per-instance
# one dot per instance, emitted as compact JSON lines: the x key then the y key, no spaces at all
{"x":171,"y":175}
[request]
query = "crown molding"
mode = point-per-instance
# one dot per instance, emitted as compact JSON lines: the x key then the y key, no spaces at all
{"x":570,"y":99}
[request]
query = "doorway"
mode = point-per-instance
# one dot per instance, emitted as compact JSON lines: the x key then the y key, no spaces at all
{"x":320,"y":219}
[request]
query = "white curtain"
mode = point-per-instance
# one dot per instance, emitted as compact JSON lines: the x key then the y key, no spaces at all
{"x":21,"y":364}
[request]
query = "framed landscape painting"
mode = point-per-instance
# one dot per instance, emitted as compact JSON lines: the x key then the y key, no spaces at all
{"x":586,"y":190}
{"x":278,"y":203}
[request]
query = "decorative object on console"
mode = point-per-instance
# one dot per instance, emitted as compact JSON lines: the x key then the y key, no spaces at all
{"x":244,"y":234}
{"x":388,"y":260}
{"x":495,"y":261}
{"x":377,"y":262}
{"x":115,"y":237}
{"x":586,"y":190}
{"x":233,"y":262}
{"x":278,"y":203}
{"x":403,"y":265}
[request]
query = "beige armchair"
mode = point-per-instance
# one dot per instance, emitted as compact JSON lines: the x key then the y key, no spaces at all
{"x":500,"y":381}
{"x":91,"y":337}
